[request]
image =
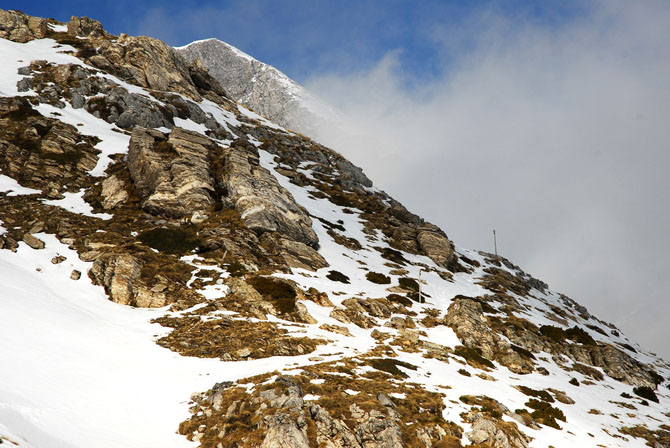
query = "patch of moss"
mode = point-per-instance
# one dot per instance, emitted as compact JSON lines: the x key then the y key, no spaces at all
{"x":523,"y":352}
{"x":279,"y":292}
{"x":71,"y":157}
{"x":409,"y":283}
{"x":337,"y":276}
{"x":541,"y":394}
{"x":170,"y":240}
{"x":545,"y":413}
{"x":487,"y":405}
{"x":645,"y":392}
{"x":658,"y":379}
{"x":473,"y":356}
{"x":378,"y":278}
{"x":556,"y":334}
{"x":397,"y":298}
{"x":393,"y":255}
{"x":390,"y":365}
{"x":580,"y":336}
{"x":236,"y":269}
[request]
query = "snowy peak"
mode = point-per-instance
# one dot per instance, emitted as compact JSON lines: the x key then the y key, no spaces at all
{"x":262,"y":87}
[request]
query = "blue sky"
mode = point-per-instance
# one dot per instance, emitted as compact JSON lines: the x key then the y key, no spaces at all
{"x":303,"y":38}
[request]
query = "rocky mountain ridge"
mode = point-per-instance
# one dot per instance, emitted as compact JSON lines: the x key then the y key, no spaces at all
{"x":262,"y":87}
{"x":329,"y":314}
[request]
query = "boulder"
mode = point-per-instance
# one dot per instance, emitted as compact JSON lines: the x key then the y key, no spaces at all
{"x":33,"y":241}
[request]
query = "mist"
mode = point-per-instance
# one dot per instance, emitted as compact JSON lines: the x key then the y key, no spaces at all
{"x":558,"y":137}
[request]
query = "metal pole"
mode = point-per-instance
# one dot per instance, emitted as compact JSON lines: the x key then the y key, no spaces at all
{"x":420,"y":298}
{"x":495,"y":243}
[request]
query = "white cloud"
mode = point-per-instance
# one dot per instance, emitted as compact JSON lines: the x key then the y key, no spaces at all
{"x":558,"y":137}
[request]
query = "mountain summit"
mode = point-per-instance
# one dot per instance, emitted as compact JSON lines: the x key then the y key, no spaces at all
{"x":262,"y":87}
{"x":177,"y":270}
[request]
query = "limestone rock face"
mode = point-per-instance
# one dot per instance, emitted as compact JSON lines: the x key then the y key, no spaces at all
{"x":435,"y":245}
{"x":149,"y":62}
{"x":171,"y":173}
{"x":113,"y":192}
{"x":118,"y":274}
{"x":262,"y":87}
{"x":263,"y":204}
{"x":284,"y":432}
{"x":85,"y":27}
{"x":294,"y":253}
{"x":17,"y":27}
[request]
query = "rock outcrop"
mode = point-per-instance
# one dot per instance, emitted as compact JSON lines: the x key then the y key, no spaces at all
{"x":262,"y":87}
{"x":18,"y":27}
{"x":263,"y":204}
{"x":171,"y":172}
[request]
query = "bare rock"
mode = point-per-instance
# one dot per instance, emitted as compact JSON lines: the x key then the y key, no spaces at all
{"x":294,"y":253}
{"x":75,"y":275}
{"x":436,"y":246}
{"x":18,"y":27}
{"x":149,"y":62}
{"x":485,"y":431}
{"x":118,"y":273}
{"x":171,"y":174}
{"x":263,"y":204}
{"x":113,"y":192}
{"x":85,"y":27}
{"x":33,"y":241}
{"x":284,"y":432}
{"x":332,"y":432}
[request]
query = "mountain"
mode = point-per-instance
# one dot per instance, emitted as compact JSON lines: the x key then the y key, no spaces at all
{"x":262,"y":87}
{"x":176,"y":270}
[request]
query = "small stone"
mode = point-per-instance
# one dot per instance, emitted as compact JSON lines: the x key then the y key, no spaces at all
{"x":33,"y":242}
{"x":243,"y":353}
{"x":76,"y":275}
{"x":37,"y":227}
{"x":58,"y":259}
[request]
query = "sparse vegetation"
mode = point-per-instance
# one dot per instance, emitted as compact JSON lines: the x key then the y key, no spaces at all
{"x":377,"y":277}
{"x":473,"y":356}
{"x":390,"y":365}
{"x":545,"y":413}
{"x":559,"y":335}
{"x":279,"y":292}
{"x":645,"y":392}
{"x":541,"y":394}
{"x":170,"y":240}
{"x":337,"y":276}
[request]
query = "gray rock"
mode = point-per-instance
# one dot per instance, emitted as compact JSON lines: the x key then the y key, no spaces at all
{"x":284,"y":432}
{"x":263,"y":204}
{"x":33,"y":242}
{"x":113,"y":192}
{"x":171,"y":174}
{"x":25,"y":84}
{"x":262,"y":87}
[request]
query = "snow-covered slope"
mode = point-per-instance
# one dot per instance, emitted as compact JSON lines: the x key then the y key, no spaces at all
{"x":176,"y":270}
{"x":262,"y":87}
